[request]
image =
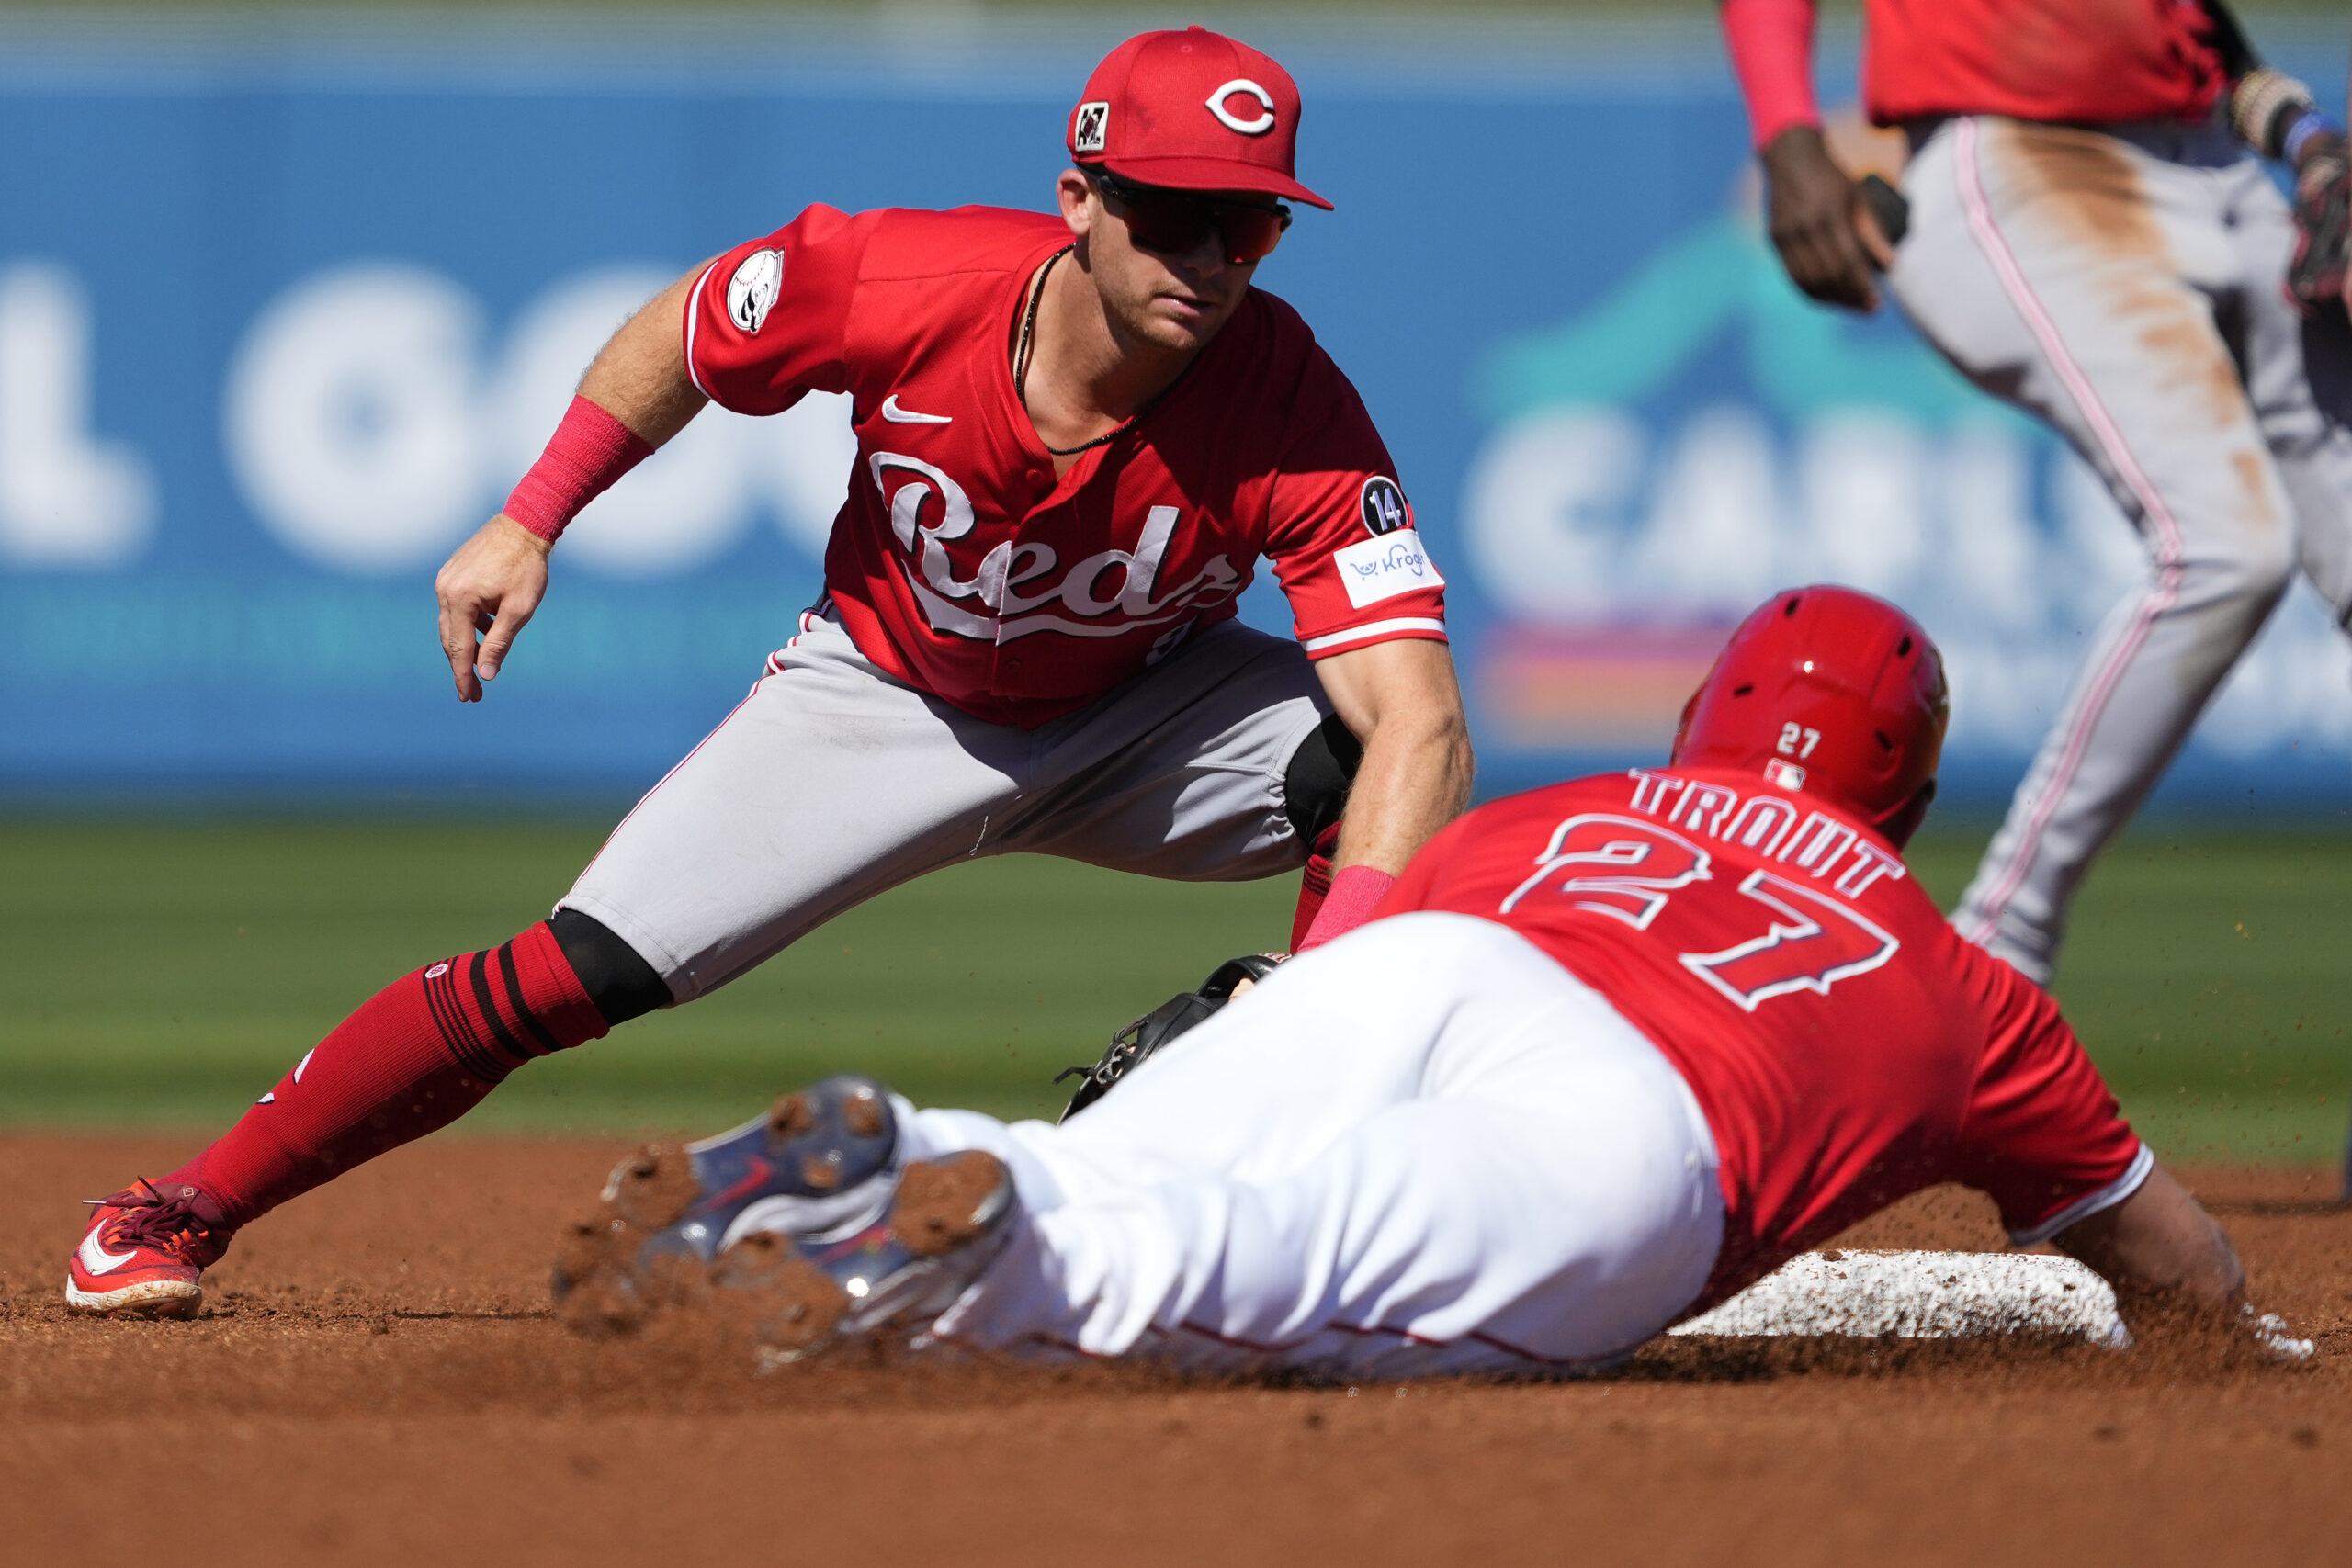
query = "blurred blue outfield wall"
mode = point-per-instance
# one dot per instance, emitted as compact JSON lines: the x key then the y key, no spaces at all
{"x":283,"y":315}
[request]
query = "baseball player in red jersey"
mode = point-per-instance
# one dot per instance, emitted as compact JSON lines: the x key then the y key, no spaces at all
{"x":1610,"y":1051}
{"x":1078,"y":435}
{"x":2089,"y":240}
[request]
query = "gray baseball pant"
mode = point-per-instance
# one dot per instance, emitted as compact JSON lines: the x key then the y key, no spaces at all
{"x":2123,"y":285}
{"x":833,"y":781}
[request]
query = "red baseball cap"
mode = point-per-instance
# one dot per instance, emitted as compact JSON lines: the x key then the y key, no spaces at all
{"x":1193,"y":110}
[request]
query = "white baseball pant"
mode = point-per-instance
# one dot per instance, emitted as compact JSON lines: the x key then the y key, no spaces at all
{"x":1424,"y":1148}
{"x":2123,"y":285}
{"x":833,"y":781}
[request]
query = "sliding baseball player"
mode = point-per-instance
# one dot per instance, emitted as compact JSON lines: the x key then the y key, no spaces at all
{"x":1610,"y":1051}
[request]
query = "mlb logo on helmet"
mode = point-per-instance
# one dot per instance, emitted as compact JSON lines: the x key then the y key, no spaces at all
{"x":1192,"y":110}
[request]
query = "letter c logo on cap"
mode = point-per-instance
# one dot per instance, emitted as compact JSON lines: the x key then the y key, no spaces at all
{"x":1225,"y":117}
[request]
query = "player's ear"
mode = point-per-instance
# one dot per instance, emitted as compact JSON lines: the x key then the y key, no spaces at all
{"x":1075,"y":198}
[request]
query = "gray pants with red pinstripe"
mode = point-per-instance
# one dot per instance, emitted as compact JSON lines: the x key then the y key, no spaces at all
{"x":2123,"y":286}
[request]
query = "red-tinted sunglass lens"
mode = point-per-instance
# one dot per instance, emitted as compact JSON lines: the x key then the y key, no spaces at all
{"x":1250,"y":233}
{"x":1172,"y":225}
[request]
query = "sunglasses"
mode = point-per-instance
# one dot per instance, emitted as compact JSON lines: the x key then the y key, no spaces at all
{"x":1177,"y":223}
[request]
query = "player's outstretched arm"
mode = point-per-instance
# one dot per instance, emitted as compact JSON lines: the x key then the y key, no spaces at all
{"x":490,"y":589}
{"x":2172,"y":1267}
{"x":1402,"y":701}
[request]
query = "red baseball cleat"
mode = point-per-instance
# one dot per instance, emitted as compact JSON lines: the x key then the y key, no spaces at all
{"x":144,"y":1254}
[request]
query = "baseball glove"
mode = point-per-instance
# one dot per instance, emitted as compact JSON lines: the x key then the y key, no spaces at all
{"x":1132,"y":1045}
{"x":2323,"y":231}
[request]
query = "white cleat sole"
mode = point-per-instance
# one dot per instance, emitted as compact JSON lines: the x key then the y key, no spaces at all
{"x":154,"y":1298}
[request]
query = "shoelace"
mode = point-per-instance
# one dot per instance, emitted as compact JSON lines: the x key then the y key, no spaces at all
{"x":167,"y":1224}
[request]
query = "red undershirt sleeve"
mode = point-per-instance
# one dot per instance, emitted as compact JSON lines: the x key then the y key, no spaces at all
{"x":1771,"y":51}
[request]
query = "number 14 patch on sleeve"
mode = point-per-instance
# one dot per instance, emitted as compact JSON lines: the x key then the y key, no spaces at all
{"x":1382,"y":567}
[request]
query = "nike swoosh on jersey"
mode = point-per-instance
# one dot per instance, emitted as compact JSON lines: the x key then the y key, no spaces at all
{"x":96,"y":1259}
{"x":897,"y":416}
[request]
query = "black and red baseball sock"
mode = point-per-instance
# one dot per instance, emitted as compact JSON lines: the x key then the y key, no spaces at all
{"x":414,"y":1057}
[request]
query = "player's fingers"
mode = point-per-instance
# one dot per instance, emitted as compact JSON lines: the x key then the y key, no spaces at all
{"x":1808,"y":244}
{"x":513,"y":616}
{"x":1872,"y":239}
{"x":458,"y":645}
{"x":1846,"y":270}
{"x":1821,"y":272}
{"x":1862,"y":283}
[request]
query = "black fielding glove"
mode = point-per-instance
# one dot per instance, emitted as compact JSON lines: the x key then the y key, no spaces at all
{"x":1132,"y":1045}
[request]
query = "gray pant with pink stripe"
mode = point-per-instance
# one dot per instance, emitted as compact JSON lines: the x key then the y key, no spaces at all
{"x":2123,"y":285}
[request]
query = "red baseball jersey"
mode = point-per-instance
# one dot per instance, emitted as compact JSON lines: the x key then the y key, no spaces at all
{"x":960,"y":562}
{"x":2096,"y":61}
{"x":1846,"y":1047}
{"x":2088,"y":61}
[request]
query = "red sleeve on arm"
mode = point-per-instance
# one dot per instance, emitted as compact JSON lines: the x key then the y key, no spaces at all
{"x":1343,"y":540}
{"x":2042,"y":1134}
{"x":1771,"y":50}
{"x":769,"y":320}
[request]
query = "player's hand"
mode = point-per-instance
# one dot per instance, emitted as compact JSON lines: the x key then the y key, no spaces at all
{"x":1826,"y":237}
{"x":491,"y":585}
{"x":2315,"y":278}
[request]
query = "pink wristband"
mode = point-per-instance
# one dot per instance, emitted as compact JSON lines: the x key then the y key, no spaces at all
{"x":1354,"y":891}
{"x":588,"y":451}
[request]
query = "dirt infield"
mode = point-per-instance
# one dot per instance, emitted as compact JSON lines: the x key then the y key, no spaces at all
{"x":377,"y":1380}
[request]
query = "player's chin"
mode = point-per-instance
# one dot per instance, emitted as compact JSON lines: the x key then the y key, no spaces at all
{"x":1185,"y":325}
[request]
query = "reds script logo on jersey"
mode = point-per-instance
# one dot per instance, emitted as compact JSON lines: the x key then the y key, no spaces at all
{"x":961,"y":538}
{"x":1104,"y":594}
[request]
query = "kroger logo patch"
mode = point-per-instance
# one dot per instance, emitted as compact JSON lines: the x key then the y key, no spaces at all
{"x":1381,"y":568}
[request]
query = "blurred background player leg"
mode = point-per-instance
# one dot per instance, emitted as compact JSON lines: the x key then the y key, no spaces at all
{"x":2113,"y":283}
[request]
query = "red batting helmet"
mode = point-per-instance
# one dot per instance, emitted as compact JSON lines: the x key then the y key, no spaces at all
{"x":1828,"y":691}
